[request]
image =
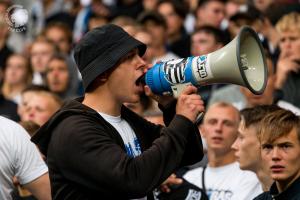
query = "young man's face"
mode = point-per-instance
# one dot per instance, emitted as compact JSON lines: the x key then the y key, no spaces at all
{"x":123,"y":80}
{"x":158,"y":33}
{"x":290,"y":44}
{"x":41,"y":53}
{"x":282,"y":157}
{"x":16,"y":71}
{"x":220,"y":128}
{"x":247,"y":148}
{"x":203,"y":43}
{"x":174,"y":22}
{"x":59,"y":38}
{"x":57,"y":75}
{"x":39,"y":109}
{"x":212,"y":13}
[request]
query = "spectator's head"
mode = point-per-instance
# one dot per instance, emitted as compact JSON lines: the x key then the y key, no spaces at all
{"x":267,"y":97}
{"x":252,"y":17}
{"x":155,"y":24}
{"x":262,"y":5}
{"x":280,"y":146}
{"x":17,"y":71}
{"x":61,"y":35}
{"x":174,"y":13}
{"x":38,"y":105}
{"x":210,"y":12}
{"x":58,"y":75}
{"x":220,"y":128}
{"x":247,"y":145}
{"x":40,"y":53}
{"x":288,"y":28}
{"x":206,"y":39}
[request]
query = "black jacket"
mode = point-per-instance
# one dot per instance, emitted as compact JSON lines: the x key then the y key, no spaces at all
{"x":291,"y":193}
{"x":87,"y":158}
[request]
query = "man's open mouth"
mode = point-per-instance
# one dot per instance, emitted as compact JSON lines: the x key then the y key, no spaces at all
{"x":140,"y":80}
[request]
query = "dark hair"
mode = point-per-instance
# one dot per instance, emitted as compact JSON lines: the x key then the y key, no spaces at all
{"x":179,"y":7}
{"x":43,"y":90}
{"x":152,"y":16}
{"x":251,"y":15}
{"x":205,"y":2}
{"x":253,"y":116}
{"x":36,"y":88}
{"x":58,"y":56}
{"x":62,"y":26}
{"x":217,"y":33}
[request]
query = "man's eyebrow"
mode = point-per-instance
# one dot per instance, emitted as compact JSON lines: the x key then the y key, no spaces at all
{"x":285,"y":143}
{"x":277,"y":144}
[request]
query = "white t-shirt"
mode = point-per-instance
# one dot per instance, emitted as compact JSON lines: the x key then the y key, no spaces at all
{"x":129,"y":138}
{"x":18,"y":157}
{"x":228,"y":182}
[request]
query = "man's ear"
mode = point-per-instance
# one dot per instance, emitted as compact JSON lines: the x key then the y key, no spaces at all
{"x":103,"y":78}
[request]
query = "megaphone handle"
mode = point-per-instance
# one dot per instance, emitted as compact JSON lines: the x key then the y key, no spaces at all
{"x":199,"y":118}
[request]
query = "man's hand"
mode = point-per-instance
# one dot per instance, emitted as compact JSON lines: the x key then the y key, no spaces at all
{"x":189,"y":103}
{"x":172,"y":180}
{"x":285,"y":65}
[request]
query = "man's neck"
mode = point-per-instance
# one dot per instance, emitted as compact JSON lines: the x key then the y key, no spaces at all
{"x":219,"y":160}
{"x":265,"y":180}
{"x":102,"y":102}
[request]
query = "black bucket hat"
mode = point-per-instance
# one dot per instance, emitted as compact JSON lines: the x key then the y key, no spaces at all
{"x":101,"y":49}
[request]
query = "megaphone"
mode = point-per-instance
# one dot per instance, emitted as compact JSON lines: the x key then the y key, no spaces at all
{"x":241,"y":62}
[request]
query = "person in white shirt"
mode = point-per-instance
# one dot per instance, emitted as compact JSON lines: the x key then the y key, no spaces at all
{"x":20,"y":158}
{"x":222,"y":178}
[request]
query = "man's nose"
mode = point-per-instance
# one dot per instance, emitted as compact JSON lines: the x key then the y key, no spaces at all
{"x":219,"y":126}
{"x":275,"y":153}
{"x":142,"y":64}
{"x":29,"y":113}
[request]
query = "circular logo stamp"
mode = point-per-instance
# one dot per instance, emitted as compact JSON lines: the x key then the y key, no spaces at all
{"x":16,"y":17}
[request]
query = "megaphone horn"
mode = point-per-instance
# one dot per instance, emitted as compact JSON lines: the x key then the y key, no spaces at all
{"x":241,"y":62}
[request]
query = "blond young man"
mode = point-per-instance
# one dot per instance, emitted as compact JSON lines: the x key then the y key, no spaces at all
{"x":288,"y":65}
{"x":280,"y":150}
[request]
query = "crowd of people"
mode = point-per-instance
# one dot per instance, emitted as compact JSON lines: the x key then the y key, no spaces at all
{"x":70,"y":83}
